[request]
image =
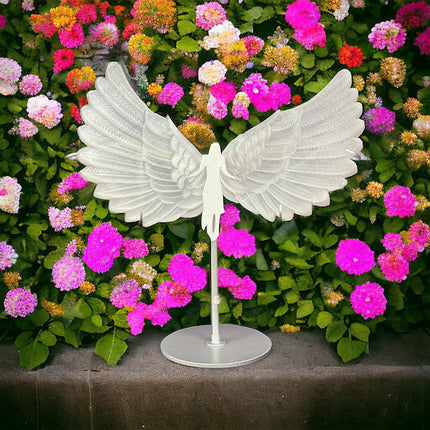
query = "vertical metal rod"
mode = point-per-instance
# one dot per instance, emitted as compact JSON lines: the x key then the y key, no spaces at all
{"x":215,"y":299}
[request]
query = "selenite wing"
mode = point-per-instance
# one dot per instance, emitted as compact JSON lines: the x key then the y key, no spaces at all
{"x":139,"y":160}
{"x":291,"y":161}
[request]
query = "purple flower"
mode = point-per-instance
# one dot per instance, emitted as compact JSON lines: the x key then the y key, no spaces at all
{"x":19,"y":302}
{"x":8,"y":255}
{"x":379,"y":120}
{"x":68,"y":273}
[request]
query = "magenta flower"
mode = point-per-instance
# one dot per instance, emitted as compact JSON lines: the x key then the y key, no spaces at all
{"x":413,"y":15}
{"x":379,"y":120}
{"x":310,"y":36}
{"x":68,"y":273}
{"x":19,"y":302}
{"x":87,"y":14}
{"x":368,"y":300}
{"x":392,"y":242}
{"x":170,"y":94}
{"x":73,"y":182}
{"x":72,"y":38}
{"x":302,"y":13}
{"x":230,"y":216}
{"x":400,"y":201}
{"x":423,"y":41}
{"x":240,"y":288}
{"x":134,"y":248}
{"x":171,"y":295}
{"x":8,"y":255}
{"x":216,"y":108}
{"x":104,"y":244}
{"x":354,"y":256}
{"x":394,"y":266}
{"x":420,"y":234}
{"x":223,"y":91}
{"x":126,"y":294}
{"x":280,"y":94}
{"x":136,"y":318}
{"x":238,"y":243}
{"x":184,"y":273}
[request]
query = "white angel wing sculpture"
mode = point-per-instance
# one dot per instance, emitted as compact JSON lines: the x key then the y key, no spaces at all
{"x":148,"y":170}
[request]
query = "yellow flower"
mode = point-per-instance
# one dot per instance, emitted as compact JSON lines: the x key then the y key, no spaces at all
{"x":87,"y":287}
{"x":374,"y":189}
{"x":63,"y":17}
{"x":54,"y":309}
{"x":288,"y":328}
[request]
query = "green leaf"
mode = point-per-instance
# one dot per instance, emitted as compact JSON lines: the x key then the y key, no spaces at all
{"x":282,"y":310}
{"x":305,"y":308}
{"x":335,"y":331}
{"x":308,"y":61}
{"x":57,"y":327}
{"x":120,"y":318}
{"x":33,"y":354}
{"x":350,"y":218}
{"x":395,"y":297}
{"x":324,"y":319}
{"x":325,"y":64}
{"x":304,"y":282}
{"x":111,"y":348}
{"x":287,"y":228}
{"x":71,"y":337}
{"x":237,"y":125}
{"x":360,"y":331}
{"x":393,"y":225}
{"x":266,"y":298}
{"x":23,"y":339}
{"x":47,"y":338}
{"x":186,"y":27}
{"x":39,"y":317}
{"x":238,"y":310}
{"x":89,"y":326}
{"x":313,"y":237}
{"x":330,"y":240}
{"x":187,"y":44}
{"x":300,"y":263}
{"x":252,"y":14}
{"x":322,"y":259}
{"x":97,"y":305}
{"x":286,"y":282}
{"x":349,"y":349}
{"x":292,"y":296}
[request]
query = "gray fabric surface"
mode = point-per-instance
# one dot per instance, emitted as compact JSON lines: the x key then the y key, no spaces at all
{"x":302,"y":384}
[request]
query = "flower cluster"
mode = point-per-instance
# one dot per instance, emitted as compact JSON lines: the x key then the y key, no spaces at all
{"x":233,"y":242}
{"x":379,"y":120}
{"x":387,"y":34}
{"x":399,"y":201}
{"x":413,"y":15}
{"x":158,"y":14}
{"x":80,"y":79}
{"x":352,"y":56}
{"x":10,"y":72}
{"x":354,"y":256}
{"x":68,"y":273}
{"x":240,"y":288}
{"x":8,"y":255}
{"x":393,"y":70}
{"x":368,"y":300}
{"x":126,"y":294}
{"x":44,"y":110}
{"x":104,"y":245}
{"x":19,"y":302}
{"x":65,"y":218}
{"x":10,"y":192}
{"x":73,"y":182}
{"x":186,"y":278}
{"x":303,"y":16}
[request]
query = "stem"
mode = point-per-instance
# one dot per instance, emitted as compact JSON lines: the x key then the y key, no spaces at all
{"x":215,"y":299}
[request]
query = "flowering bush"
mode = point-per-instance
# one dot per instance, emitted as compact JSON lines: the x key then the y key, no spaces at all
{"x":72,"y":271}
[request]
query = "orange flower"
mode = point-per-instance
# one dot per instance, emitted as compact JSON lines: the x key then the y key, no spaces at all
{"x":350,"y":55}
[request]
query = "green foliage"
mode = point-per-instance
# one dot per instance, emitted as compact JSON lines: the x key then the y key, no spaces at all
{"x":294,"y":267}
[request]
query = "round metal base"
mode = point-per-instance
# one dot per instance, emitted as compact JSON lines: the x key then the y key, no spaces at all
{"x":240,"y":345}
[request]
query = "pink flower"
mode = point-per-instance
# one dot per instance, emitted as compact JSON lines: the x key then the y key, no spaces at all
{"x":8,"y":255}
{"x":420,"y":234}
{"x":302,"y":13}
{"x":423,"y":42}
{"x":106,"y":33}
{"x":8,"y":88}
{"x":72,"y":38}
{"x":210,"y":14}
{"x":136,"y":319}
{"x":240,"y":288}
{"x":47,"y":112}
{"x":379,"y":120}
{"x":126,"y":294}
{"x":71,"y":248}
{"x":188,"y":72}
{"x":230,"y":216}
{"x":170,"y":94}
{"x":60,"y":219}
{"x":104,"y":244}
{"x":86,"y":14}
{"x":134,"y":248}
{"x":256,"y":88}
{"x":280,"y":94}
{"x":155,"y":315}
{"x":63,"y":58}
{"x":392,"y":242}
{"x":409,"y":251}
{"x":10,"y":192}
{"x":10,"y":70}
{"x":216,"y":108}
{"x":253,"y":45}
{"x":73,"y":182}
{"x":354,"y":256}
{"x":394,"y":266}
{"x":240,"y":105}
{"x":26,"y":128}
{"x":387,"y":34}
{"x":19,"y":302}
{"x":368,"y":300}
{"x":2,"y":22}
{"x":238,"y":243}
{"x":310,"y":36}
{"x":68,"y":273}
{"x":223,"y":91}
{"x":171,"y":295}
{"x":183,"y":272}
{"x":30,"y":85}
{"x":400,"y":201}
